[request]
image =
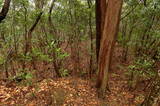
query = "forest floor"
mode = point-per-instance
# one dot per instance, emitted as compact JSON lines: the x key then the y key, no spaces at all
{"x":68,"y":92}
{"x":72,"y":91}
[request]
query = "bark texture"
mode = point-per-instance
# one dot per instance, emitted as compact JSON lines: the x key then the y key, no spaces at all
{"x":100,"y":18}
{"x":112,"y":19}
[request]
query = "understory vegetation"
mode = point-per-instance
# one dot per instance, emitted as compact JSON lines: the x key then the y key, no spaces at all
{"x":50,"y":47}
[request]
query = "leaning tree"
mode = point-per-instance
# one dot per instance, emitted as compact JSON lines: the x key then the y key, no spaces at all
{"x":4,"y":10}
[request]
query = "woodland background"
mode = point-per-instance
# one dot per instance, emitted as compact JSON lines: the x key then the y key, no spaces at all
{"x":46,"y":45}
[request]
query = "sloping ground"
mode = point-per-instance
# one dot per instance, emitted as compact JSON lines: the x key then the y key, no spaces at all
{"x":61,"y":92}
{"x":120,"y":94}
{"x":67,"y":92}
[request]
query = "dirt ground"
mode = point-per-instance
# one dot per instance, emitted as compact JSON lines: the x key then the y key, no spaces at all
{"x":68,"y":92}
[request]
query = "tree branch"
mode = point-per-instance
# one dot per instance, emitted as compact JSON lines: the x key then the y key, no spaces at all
{"x":50,"y":19}
{"x":4,"y":10}
{"x":36,"y":22}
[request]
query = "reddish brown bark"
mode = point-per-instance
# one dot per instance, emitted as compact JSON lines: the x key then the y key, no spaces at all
{"x":112,"y":19}
{"x":100,"y":17}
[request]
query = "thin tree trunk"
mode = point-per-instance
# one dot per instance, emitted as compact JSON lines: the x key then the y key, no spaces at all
{"x":56,"y":64}
{"x":127,"y":47}
{"x":28,"y":45}
{"x":91,"y":38}
{"x":25,"y":29}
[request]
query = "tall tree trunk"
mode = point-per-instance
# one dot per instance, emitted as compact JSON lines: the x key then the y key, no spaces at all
{"x":112,"y":19}
{"x":4,"y":10}
{"x":100,"y":17}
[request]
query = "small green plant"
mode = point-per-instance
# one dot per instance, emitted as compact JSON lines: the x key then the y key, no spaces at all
{"x":2,"y":60}
{"x":64,"y":72}
{"x":143,"y":66}
{"x":24,"y":77}
{"x":39,"y":55}
{"x":142,"y":69}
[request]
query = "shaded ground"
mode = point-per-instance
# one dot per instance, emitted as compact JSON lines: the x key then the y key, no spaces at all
{"x":61,"y":92}
{"x":68,"y":92}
